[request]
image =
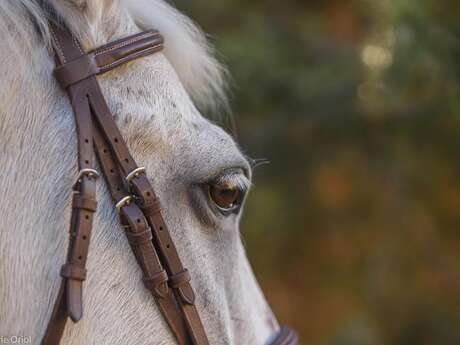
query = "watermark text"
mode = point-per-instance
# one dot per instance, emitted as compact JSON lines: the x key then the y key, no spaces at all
{"x":15,"y":339}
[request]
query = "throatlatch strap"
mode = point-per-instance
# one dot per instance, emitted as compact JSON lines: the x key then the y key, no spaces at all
{"x":76,"y":72}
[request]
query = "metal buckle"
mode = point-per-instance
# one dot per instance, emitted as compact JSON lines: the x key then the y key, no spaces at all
{"x":135,"y":173}
{"x":84,"y":172}
{"x":88,"y":172}
{"x":123,"y":202}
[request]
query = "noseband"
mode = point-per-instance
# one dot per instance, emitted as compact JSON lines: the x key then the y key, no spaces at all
{"x":135,"y":200}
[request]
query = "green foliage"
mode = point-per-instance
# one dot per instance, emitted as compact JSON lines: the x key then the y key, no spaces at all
{"x":353,"y":228}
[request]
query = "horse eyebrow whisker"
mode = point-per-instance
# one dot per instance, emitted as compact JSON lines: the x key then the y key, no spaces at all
{"x":258,"y":162}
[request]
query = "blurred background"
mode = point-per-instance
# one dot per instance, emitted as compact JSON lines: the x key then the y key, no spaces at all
{"x":353,"y":229}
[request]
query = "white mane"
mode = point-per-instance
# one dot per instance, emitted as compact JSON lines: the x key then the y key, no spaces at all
{"x":199,"y":71}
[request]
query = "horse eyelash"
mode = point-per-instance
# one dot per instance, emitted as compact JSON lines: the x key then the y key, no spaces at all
{"x":240,"y":181}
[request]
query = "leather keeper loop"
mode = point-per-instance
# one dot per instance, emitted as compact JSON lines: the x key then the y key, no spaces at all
{"x":178,"y":279}
{"x":152,"y":209}
{"x":137,"y":239}
{"x":76,"y":70}
{"x":84,"y":203}
{"x":157,"y":283}
{"x":73,"y":272}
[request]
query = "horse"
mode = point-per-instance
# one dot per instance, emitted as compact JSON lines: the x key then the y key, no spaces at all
{"x":197,"y":169}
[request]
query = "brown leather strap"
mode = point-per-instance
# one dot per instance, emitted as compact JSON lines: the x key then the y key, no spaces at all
{"x":108,"y":57}
{"x":79,"y":201}
{"x":139,"y":236}
{"x":72,"y":271}
{"x":127,"y":166}
{"x":76,"y":71}
{"x":178,"y":279}
{"x":146,"y":198}
{"x":138,"y":206}
{"x":69,"y":300}
{"x":59,"y":316}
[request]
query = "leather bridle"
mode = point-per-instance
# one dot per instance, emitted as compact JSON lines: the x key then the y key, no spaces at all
{"x":135,"y":200}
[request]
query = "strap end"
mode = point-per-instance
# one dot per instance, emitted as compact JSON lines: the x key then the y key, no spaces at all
{"x":74,"y":277}
{"x":74,"y":300}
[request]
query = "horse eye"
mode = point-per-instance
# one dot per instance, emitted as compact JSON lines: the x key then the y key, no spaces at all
{"x":227,"y":198}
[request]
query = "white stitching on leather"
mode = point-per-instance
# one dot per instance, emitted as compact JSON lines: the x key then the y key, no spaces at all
{"x":125,"y":43}
{"x":77,"y":44}
{"x":120,"y":61}
{"x":57,"y":45}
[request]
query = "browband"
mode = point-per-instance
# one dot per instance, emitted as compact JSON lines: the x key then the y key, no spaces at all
{"x":107,"y":57}
{"x":137,"y":204}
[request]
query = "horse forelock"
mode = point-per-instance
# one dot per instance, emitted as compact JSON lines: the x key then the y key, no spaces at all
{"x":201,"y":74}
